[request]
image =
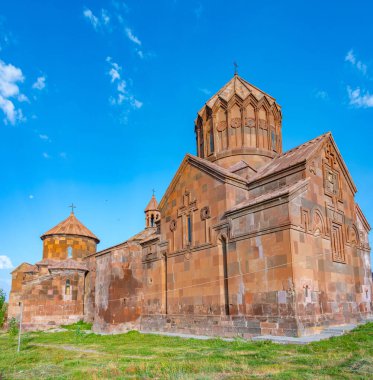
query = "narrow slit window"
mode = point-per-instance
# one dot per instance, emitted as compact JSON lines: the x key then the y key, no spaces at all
{"x":273,"y":140}
{"x":211,"y":136}
{"x":67,"y":288}
{"x":202,"y":145}
{"x":189,"y":229}
{"x":69,"y":252}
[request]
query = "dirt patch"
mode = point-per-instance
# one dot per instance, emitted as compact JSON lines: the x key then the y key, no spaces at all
{"x":68,"y":348}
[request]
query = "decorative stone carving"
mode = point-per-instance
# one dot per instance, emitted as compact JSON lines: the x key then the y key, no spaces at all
{"x":221,"y":126}
{"x":249,"y":122}
{"x":312,"y":168}
{"x":262,"y":123}
{"x":331,"y":181}
{"x":337,"y":243}
{"x":205,"y":213}
{"x":173,"y":225}
{"x":353,"y":236}
{"x":318,"y":225}
{"x":236,"y":122}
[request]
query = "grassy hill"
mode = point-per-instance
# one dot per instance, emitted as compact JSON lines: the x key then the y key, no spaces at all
{"x":73,"y":354}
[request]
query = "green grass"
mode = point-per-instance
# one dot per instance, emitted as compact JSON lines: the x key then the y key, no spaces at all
{"x":68,"y":355}
{"x":78,"y":325}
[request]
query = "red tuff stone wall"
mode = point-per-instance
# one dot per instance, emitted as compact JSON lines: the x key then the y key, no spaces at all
{"x":56,"y":247}
{"x":329,"y":245}
{"x":46,"y":303}
{"x":118,"y":300}
{"x":90,"y":290}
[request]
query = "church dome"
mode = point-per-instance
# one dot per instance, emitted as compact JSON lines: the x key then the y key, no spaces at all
{"x":152,"y":205}
{"x":239,"y":123}
{"x":71,"y":226}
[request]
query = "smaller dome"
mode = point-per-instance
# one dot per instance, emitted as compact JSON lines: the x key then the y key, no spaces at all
{"x":70,"y":226}
{"x":152,"y":205}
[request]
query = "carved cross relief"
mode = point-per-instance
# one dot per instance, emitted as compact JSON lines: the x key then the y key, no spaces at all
{"x":331,"y":175}
{"x":186,"y":213}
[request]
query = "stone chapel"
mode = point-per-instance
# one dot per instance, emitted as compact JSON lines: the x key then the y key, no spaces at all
{"x":246,"y":240}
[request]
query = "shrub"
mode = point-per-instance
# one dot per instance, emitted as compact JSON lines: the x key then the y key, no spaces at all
{"x":13,"y":327}
{"x":3,"y":308}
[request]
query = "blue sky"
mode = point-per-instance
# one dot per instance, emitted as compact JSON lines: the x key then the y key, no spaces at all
{"x":98,"y":99}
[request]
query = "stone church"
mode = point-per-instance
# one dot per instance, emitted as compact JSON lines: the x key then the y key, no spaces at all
{"x":246,"y":240}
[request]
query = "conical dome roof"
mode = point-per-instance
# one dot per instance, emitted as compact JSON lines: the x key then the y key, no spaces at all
{"x":71,"y":226}
{"x":152,"y":205}
{"x":237,"y":86}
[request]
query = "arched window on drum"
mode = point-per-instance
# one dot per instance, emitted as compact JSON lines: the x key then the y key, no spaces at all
{"x":67,"y":287}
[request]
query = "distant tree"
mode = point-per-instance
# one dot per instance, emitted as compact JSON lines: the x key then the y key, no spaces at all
{"x":3,"y":307}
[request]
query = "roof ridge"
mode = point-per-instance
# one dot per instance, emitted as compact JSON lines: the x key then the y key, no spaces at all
{"x":289,"y":158}
{"x":216,"y":167}
{"x":304,"y":144}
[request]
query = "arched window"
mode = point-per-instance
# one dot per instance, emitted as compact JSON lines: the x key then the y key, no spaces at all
{"x":67,"y":288}
{"x":152,"y":220}
{"x":69,"y":252}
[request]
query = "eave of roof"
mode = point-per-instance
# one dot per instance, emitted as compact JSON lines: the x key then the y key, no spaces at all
{"x":71,"y":226}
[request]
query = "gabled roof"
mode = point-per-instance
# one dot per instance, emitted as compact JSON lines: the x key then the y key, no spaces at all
{"x":207,"y":167}
{"x":297,"y":156}
{"x":268,"y":196}
{"x":290,"y":158}
{"x":144,"y":234}
{"x":70,"y":226}
{"x":17,"y":269}
{"x":239,"y":166}
{"x":240,"y":87}
{"x":62,"y":264}
{"x":152,"y":205}
{"x":68,"y":264}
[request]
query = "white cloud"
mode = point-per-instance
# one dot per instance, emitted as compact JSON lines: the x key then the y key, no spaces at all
{"x":122,"y":86}
{"x":10,"y":78}
{"x":136,"y":103}
{"x":114,"y":71}
{"x":63,"y":155}
{"x":44,"y":137}
{"x":132,"y":37}
{"x":359,"y":99}
{"x":122,"y":95}
{"x":23,"y":98}
{"x":40,"y":83}
{"x":114,"y":74}
{"x":351,"y":58}
{"x":105,"y":17}
{"x":46,"y":155}
{"x":120,"y":6}
{"x":30,"y":196}
{"x":98,"y":22}
{"x":88,"y":14}
{"x":5,"y":262}
{"x":321,"y":94}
